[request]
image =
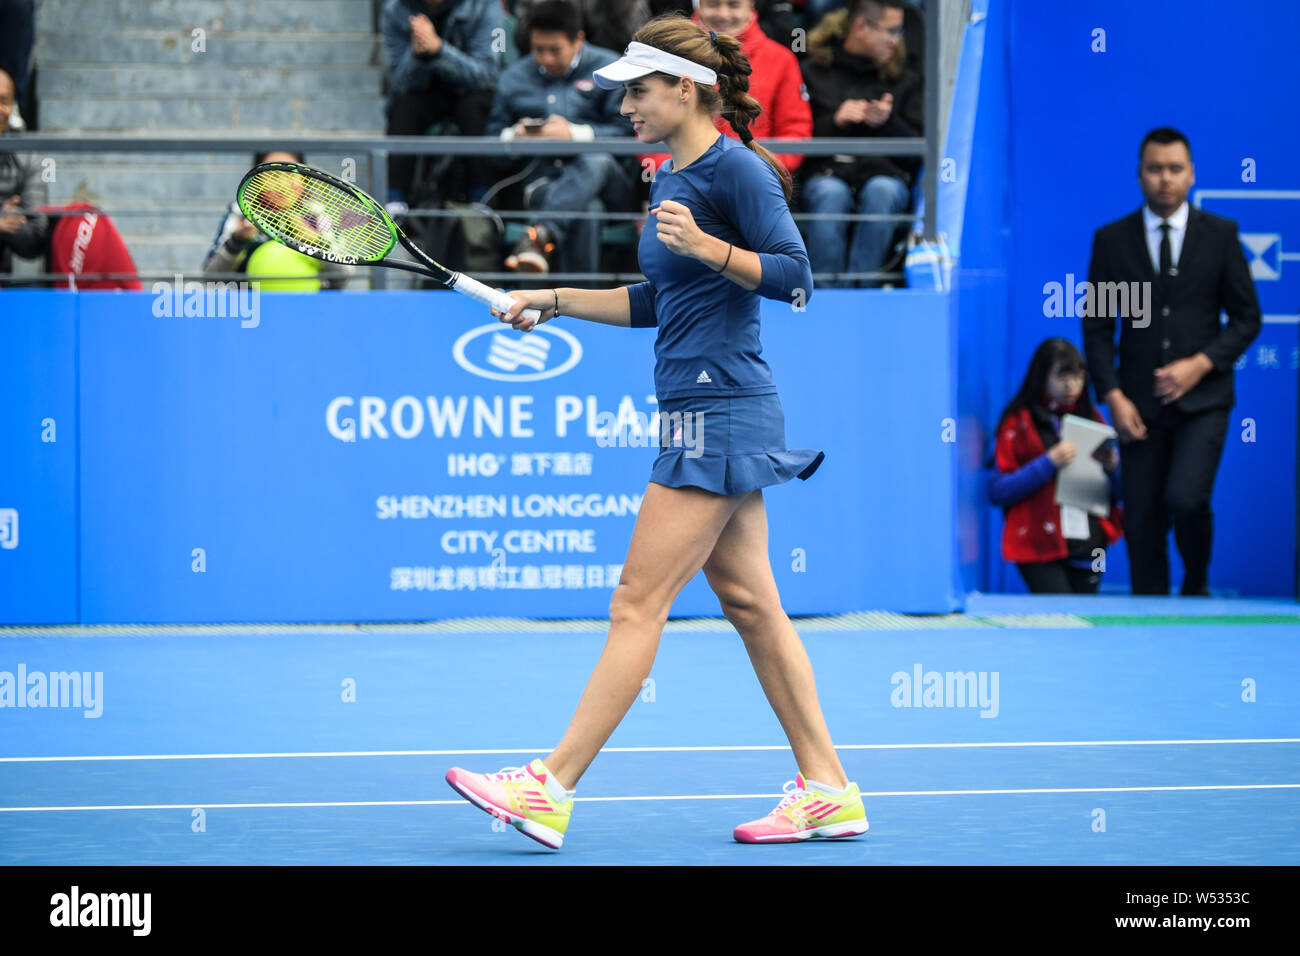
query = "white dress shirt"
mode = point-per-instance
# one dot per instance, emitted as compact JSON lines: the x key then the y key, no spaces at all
{"x":1177,"y":232}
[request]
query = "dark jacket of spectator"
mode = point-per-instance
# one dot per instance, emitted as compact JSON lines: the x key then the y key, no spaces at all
{"x":1183,"y":318}
{"x":833,"y":76}
{"x":17,"y":39}
{"x":472,"y":32}
{"x":20,"y":175}
{"x":525,"y":89}
{"x":607,"y":23}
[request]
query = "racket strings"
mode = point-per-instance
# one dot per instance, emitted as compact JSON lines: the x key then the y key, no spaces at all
{"x":299,"y":209}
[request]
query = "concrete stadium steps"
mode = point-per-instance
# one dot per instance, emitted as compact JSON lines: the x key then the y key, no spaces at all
{"x":307,"y":50}
{"x":172,"y":254}
{"x":207,"y":113}
{"x":207,"y":77}
{"x":267,"y":67}
{"x":133,"y":182}
{"x":269,"y":15}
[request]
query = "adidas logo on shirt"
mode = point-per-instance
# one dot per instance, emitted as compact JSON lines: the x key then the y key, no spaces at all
{"x":704,"y":379}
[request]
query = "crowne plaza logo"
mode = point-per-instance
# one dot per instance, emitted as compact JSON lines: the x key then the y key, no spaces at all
{"x":489,"y":352}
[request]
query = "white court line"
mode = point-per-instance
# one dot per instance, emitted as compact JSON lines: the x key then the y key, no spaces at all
{"x":692,"y":796}
{"x":640,"y":750}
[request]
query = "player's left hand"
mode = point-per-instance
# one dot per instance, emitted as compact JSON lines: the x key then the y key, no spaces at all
{"x":1176,"y":379}
{"x":676,"y":228}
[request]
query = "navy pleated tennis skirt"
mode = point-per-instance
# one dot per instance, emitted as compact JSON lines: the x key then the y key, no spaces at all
{"x":727,"y":445}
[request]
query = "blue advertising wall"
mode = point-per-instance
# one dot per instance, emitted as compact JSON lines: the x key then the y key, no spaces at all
{"x":38,"y":459}
{"x":399,"y":456}
{"x":1066,"y":93}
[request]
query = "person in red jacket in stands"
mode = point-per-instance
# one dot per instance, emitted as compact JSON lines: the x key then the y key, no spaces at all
{"x":776,"y":81}
{"x":84,"y":241}
{"x":1054,"y":546}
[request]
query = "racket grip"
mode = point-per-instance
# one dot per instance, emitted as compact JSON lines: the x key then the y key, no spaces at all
{"x":488,"y":296}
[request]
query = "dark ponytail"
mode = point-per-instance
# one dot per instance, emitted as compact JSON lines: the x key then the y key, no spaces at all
{"x":720,"y":52}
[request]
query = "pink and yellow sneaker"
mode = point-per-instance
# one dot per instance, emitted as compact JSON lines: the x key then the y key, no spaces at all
{"x":804,"y":814}
{"x":517,"y":795}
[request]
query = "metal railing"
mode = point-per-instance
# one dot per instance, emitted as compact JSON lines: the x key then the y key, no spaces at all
{"x":379,"y":148}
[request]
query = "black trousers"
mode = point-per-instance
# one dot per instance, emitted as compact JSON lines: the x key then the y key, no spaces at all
{"x":410,"y":114}
{"x":1058,"y":577}
{"x":1169,"y":476}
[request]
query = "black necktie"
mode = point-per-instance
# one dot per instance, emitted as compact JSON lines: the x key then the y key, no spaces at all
{"x":1166,"y":251}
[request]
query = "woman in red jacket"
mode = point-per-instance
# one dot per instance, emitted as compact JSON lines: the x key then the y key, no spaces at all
{"x":776,"y":82}
{"x":1056,"y":547}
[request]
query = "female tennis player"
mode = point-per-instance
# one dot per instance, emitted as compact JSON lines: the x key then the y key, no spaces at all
{"x":720,"y":236}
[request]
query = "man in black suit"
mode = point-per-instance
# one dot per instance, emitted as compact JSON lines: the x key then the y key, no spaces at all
{"x":1172,"y":393}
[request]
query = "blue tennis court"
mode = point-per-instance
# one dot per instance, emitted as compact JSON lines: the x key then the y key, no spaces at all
{"x":1102,"y":730}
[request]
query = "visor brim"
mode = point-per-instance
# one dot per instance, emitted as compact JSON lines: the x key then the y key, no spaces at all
{"x":619,"y":72}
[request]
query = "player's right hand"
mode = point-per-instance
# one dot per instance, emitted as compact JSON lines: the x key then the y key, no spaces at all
{"x":541,"y":299}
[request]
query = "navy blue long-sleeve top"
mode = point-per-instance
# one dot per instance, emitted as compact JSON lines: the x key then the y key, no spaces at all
{"x":708,"y":338}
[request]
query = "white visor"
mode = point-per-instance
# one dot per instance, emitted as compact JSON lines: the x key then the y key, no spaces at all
{"x":641,"y":59}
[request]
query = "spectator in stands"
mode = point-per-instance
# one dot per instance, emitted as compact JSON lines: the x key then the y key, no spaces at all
{"x":605,"y":23}
{"x":775,"y":82}
{"x":860,"y":85}
{"x":22,"y":233}
{"x":240,"y":247}
{"x":443,"y":62}
{"x":84,"y":242}
{"x":1172,"y":393}
{"x":913,"y":25}
{"x":775,"y":17}
{"x":550,"y":94}
{"x":1054,"y":546}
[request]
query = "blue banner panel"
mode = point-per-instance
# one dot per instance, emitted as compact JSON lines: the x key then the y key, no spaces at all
{"x":38,"y":458}
{"x":398,"y":456}
{"x":1073,"y":70}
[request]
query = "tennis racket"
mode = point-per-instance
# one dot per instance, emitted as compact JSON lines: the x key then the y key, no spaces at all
{"x":328,"y":219}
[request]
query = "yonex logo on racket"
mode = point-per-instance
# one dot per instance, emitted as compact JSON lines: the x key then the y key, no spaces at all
{"x":328,"y":256}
